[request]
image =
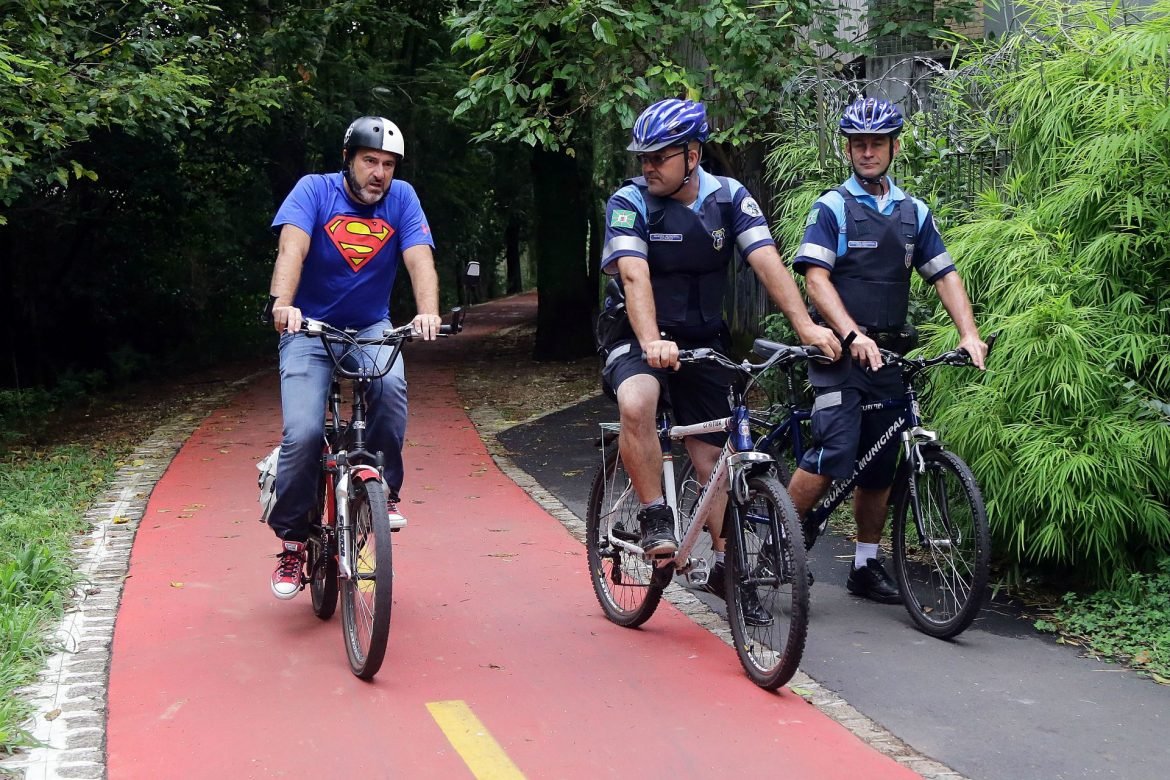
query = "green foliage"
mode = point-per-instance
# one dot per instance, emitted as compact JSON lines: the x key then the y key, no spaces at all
{"x":1129,"y":624}
{"x":70,"y":69}
{"x":42,"y":498}
{"x":1068,"y":260}
{"x":541,"y":70}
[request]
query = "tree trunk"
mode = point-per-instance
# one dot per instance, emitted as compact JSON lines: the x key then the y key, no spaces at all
{"x":512,"y":254}
{"x":565,"y":300}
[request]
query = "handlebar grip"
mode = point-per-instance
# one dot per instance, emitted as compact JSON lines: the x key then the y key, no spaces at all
{"x":991,"y":343}
{"x":456,"y":324}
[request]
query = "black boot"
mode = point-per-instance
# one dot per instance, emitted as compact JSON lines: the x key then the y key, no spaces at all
{"x":657,"y":530}
{"x":874,"y":583}
{"x":754,"y":613}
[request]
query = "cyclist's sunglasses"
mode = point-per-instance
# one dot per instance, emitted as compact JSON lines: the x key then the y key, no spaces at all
{"x":656,"y":159}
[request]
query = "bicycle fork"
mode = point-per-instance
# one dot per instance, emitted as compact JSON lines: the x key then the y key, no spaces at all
{"x":345,"y":482}
{"x":913,"y":441}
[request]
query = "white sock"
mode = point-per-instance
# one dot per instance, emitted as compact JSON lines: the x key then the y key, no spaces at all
{"x":719,"y":555}
{"x":656,"y":502}
{"x":863,"y":553}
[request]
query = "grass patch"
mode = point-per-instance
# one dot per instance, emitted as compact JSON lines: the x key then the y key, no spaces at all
{"x":43,"y":497}
{"x":1130,"y":625}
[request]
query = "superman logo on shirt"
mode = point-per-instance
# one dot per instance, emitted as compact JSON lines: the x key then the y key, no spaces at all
{"x":358,"y":240}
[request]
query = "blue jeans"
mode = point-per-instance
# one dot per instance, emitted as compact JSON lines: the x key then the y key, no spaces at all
{"x":305,"y":372}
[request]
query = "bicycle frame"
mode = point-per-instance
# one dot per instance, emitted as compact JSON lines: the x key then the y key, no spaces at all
{"x":738,"y":459}
{"x":907,"y":428}
{"x":346,"y":459}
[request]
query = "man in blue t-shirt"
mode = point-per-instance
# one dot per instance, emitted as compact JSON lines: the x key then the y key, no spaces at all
{"x":670,"y":237}
{"x":860,"y":243}
{"x":342,"y":236}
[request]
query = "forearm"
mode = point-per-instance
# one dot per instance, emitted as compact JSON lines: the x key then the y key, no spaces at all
{"x":639,"y":299}
{"x":954,"y":299}
{"x":290,"y":259}
{"x":829,"y":306}
{"x":424,"y":279}
{"x":781,"y":287}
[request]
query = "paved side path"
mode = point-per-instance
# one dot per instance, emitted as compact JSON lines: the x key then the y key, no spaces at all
{"x":1000,"y":702}
{"x":500,"y":661}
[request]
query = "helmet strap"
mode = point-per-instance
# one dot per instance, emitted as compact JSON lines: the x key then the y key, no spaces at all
{"x":351,"y":182}
{"x":687,"y":170}
{"x":875,"y":181}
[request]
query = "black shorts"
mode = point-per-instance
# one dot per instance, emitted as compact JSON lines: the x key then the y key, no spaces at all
{"x":841,"y":434}
{"x":695,"y":393}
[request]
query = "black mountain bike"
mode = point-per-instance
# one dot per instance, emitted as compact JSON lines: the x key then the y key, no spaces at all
{"x":940,"y":537}
{"x":349,"y":548}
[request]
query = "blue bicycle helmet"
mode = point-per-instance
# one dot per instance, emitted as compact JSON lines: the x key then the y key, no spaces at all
{"x":870,"y":116}
{"x":669,"y":122}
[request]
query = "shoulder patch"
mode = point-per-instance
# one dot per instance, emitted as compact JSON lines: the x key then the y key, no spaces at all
{"x":811,"y":219}
{"x":622,"y":218}
{"x":749,"y":206}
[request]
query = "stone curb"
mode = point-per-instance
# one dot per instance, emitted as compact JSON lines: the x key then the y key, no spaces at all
{"x":490,"y":424}
{"x":70,"y":697}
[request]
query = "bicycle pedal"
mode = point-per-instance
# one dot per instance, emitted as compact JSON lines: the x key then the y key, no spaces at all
{"x":698,"y":577}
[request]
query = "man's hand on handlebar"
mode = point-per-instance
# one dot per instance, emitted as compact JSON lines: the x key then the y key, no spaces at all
{"x":823,"y":339}
{"x":426,"y":326}
{"x":865,"y":351}
{"x":662,"y":354}
{"x":977,"y":349}
{"x":287,"y":319}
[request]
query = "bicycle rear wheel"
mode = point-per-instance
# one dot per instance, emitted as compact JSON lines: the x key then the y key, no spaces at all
{"x":322,"y":566}
{"x":366,"y":596}
{"x":766,"y":564}
{"x":942,"y":545}
{"x":322,"y":553}
{"x":627,"y":586}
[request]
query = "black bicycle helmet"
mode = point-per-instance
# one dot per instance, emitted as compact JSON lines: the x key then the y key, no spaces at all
{"x":373,"y":132}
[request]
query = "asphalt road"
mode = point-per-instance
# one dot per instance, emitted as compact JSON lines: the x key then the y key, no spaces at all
{"x":1000,"y":702}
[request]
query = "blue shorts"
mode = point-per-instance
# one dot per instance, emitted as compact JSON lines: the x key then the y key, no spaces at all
{"x":841,"y":434}
{"x":695,"y":393}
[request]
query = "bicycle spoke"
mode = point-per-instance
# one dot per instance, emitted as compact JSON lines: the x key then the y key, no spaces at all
{"x":941,"y":551}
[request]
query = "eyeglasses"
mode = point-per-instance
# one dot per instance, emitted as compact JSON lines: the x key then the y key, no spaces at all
{"x":656,"y":159}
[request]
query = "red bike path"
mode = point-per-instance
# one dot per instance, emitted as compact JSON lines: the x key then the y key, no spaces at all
{"x":212,"y":677}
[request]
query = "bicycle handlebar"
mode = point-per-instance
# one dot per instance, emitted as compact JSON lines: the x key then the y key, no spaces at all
{"x":394,"y":337}
{"x":402,"y":333}
{"x":954,"y":357}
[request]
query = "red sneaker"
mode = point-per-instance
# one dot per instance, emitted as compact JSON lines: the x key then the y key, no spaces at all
{"x":287,"y":579}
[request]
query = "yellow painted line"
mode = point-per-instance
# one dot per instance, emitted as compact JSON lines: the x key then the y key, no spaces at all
{"x":475,"y":745}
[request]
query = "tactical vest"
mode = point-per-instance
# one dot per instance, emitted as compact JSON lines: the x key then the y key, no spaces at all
{"x":688,"y":256}
{"x":873,"y":276}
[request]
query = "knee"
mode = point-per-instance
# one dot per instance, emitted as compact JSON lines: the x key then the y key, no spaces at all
{"x":637,"y":406}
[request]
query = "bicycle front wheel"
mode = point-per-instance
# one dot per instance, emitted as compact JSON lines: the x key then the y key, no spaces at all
{"x":942,"y":547}
{"x":627,"y":586}
{"x":767,"y":590}
{"x":366,"y":596}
